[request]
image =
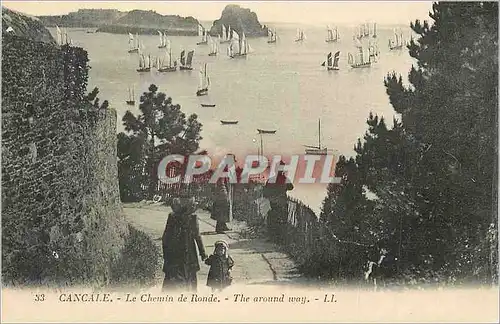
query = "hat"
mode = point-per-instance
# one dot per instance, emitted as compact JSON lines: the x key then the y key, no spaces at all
{"x":222,"y":242}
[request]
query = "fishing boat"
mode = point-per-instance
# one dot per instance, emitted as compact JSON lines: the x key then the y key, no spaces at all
{"x":131,"y":97}
{"x":300,"y":35}
{"x":202,"y":32}
{"x":144,"y":63}
{"x":396,"y":43}
{"x":239,"y":47}
{"x":163,"y":39}
{"x":186,"y":62}
{"x":332,"y":64}
{"x":214,"y":45}
{"x":362,"y":60}
{"x":229,"y":122}
{"x":168,"y":64}
{"x":133,"y":43}
{"x":208,"y":105}
{"x":204,"y":82}
{"x":264,"y":131}
{"x":317,"y":150}
{"x":332,"y":34}
{"x":272,"y":36}
{"x":225,"y":35}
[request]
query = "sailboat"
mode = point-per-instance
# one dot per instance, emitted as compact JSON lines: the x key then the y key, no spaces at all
{"x":332,"y":64}
{"x":317,"y":150}
{"x":373,"y":51}
{"x":167,"y":64}
{"x":131,"y":97}
{"x":204,"y":82}
{"x":239,"y":47}
{"x":163,"y":39}
{"x":202,"y":32}
{"x":214,"y":46}
{"x":144,"y":63}
{"x":374,"y":30}
{"x":272,"y":36}
{"x":226,"y":34}
{"x":62,"y":37}
{"x":133,"y":43}
{"x":362,"y":60}
{"x":396,"y":42}
{"x":300,"y":35}
{"x":332,"y":35}
{"x":186,"y":62}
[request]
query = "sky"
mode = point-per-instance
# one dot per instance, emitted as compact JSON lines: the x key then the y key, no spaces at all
{"x":303,"y":12}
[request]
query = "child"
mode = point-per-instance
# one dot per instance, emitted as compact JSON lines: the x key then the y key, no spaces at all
{"x":219,"y":275}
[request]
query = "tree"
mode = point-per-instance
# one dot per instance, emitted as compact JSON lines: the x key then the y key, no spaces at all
{"x":434,"y":173}
{"x":160,"y":129}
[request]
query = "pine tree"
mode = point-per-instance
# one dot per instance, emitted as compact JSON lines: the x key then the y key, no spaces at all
{"x":160,"y":129}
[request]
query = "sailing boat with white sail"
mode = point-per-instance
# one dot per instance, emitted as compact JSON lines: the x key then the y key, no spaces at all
{"x":239,"y":47}
{"x":332,"y":34}
{"x":144,"y":63}
{"x":204,"y":82}
{"x":374,"y":35}
{"x":62,"y":37}
{"x":300,"y":35}
{"x":131,"y":96}
{"x":396,"y":43}
{"x":186,"y":61}
{"x":167,"y":64}
{"x":202,"y":32}
{"x":332,"y":63}
{"x":133,"y":43}
{"x":374,"y":51}
{"x":361,"y":60}
{"x":226,"y":34}
{"x":317,"y":150}
{"x":272,"y":36}
{"x":214,"y":45}
{"x":163,"y":39}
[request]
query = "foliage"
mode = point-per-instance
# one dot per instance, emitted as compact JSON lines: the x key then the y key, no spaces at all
{"x":138,"y":262}
{"x":426,"y":188}
{"x":160,"y":129}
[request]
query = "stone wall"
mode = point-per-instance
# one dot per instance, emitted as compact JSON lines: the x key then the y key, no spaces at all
{"x":61,"y":214}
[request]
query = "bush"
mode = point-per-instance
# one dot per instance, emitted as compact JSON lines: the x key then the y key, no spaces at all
{"x":138,"y":262}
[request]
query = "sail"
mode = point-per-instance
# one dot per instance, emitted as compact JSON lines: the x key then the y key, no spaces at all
{"x":141,"y":61}
{"x":200,"y":30}
{"x":201,"y":83}
{"x":329,"y":59}
{"x":59,"y":35}
{"x":183,"y":58}
{"x":189,"y":59}
{"x":224,"y":36}
{"x":360,"y":59}
{"x":336,"y":59}
{"x":357,"y":43}
{"x":366,"y":55}
{"x":161,"y":38}
{"x":374,"y":29}
{"x":350,"y":59}
{"x":229,"y":33}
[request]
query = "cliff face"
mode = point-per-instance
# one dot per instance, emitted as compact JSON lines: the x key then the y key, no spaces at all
{"x":114,"y":21}
{"x":240,"y":19}
{"x":18,"y":24}
{"x":61,"y":211}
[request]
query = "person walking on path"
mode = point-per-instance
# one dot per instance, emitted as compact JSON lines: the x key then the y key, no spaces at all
{"x":220,"y":262}
{"x":221,"y":208}
{"x":275,"y":190}
{"x":179,"y":241}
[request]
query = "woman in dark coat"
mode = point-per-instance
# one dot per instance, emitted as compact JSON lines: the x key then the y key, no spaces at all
{"x":221,"y":208}
{"x":180,"y":238}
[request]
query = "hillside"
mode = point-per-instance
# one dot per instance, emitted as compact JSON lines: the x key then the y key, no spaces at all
{"x":22,"y":25}
{"x":240,"y":19}
{"x":135,"y":21}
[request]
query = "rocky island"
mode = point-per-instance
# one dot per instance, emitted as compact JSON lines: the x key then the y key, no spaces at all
{"x":117,"y":22}
{"x":240,"y":19}
{"x":22,"y":25}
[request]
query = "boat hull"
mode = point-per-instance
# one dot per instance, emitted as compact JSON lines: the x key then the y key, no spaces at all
{"x":202,"y":92}
{"x":317,"y":152}
{"x":235,"y":56}
{"x":167,"y":69}
{"x":144,"y":69}
{"x":130,"y":102}
{"x":135,"y":50}
{"x":212,"y":54}
{"x":262,"y":131}
{"x":359,"y":66}
{"x":185,"y":68}
{"x":331,"y":40}
{"x":395,"y":48}
{"x":228,"y":122}
{"x":162,"y":46}
{"x":333,"y":68}
{"x":202,"y":43}
{"x":271,"y":42}
{"x":207,"y":105}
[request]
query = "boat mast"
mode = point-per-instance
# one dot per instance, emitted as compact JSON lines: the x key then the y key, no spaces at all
{"x":319,"y":134}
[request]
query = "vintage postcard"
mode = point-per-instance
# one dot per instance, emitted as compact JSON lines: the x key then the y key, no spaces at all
{"x":249,"y":162}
